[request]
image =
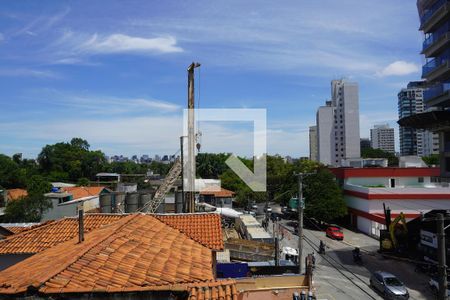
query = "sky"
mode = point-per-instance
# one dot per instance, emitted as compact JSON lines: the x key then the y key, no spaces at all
{"x":114,"y":72}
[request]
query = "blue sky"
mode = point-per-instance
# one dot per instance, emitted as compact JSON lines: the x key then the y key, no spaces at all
{"x":114,"y":72}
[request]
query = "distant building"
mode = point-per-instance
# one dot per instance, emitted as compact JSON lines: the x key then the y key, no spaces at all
{"x":415,"y":141}
{"x":313,"y":143}
{"x":382,"y":137}
{"x":338,"y":124}
{"x":364,"y":144}
{"x":65,"y":201}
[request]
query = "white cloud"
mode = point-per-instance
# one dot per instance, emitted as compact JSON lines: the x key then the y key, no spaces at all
{"x":22,"y":72}
{"x":399,"y":68}
{"x":120,"y":43}
{"x":103,"y":105}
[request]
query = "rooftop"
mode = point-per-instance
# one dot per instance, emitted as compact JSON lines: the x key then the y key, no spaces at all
{"x":203,"y":228}
{"x":84,"y":191}
{"x":217,"y":192}
{"x":15,"y":194}
{"x":384,"y":172}
{"x":136,"y":253}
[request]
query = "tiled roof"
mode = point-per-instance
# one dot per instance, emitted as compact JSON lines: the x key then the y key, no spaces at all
{"x":83,"y":191}
{"x":45,"y":236}
{"x":19,"y":229}
{"x":203,"y":228}
{"x":222,"y":193}
{"x":15,"y":194}
{"x":218,"y":290}
{"x":136,"y":253}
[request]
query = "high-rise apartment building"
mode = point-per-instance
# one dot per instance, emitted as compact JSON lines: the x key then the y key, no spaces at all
{"x":435,"y":24}
{"x":415,"y":141}
{"x":338,"y":124}
{"x":313,"y":143}
{"x":382,"y":137}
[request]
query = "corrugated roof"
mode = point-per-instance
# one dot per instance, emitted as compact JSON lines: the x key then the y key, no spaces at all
{"x":136,"y":253}
{"x":203,"y":228}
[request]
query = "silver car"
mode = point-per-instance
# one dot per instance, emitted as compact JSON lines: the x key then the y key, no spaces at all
{"x":388,"y":285}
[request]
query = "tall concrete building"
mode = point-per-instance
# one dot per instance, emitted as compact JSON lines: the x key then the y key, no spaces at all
{"x":313,"y":143}
{"x":435,"y":23}
{"x":338,"y":124}
{"x":415,"y":141}
{"x":382,"y":137}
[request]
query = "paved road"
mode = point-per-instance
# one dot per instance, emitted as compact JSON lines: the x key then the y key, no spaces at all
{"x":336,"y":277}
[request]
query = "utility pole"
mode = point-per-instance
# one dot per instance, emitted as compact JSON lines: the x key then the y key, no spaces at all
{"x":191,"y":141}
{"x":441,"y":258}
{"x":300,"y":207}
{"x":182,"y":173}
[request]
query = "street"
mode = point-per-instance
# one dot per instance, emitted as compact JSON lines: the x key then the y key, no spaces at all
{"x":337,"y":277}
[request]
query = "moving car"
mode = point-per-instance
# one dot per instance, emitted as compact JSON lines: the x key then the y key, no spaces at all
{"x":388,"y":285}
{"x":334,"y":233}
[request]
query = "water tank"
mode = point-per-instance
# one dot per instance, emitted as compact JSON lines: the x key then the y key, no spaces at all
{"x":143,"y":200}
{"x":105,"y":203}
{"x":119,"y":202}
{"x":132,"y":202}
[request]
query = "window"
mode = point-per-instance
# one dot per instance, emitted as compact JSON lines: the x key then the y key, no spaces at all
{"x":420,"y":179}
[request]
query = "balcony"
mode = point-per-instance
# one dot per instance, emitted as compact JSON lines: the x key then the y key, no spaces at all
{"x":437,"y":94}
{"x":434,"y":14}
{"x":435,"y":43}
{"x":437,"y":68}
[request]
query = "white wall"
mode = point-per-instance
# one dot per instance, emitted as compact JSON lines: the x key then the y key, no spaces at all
{"x":70,"y":208}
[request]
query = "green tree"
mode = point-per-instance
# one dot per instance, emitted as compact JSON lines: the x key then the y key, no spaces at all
{"x":378,"y":153}
{"x":71,"y":161}
{"x":323,"y":197}
{"x":432,"y":159}
{"x":83,"y":181}
{"x":31,"y":207}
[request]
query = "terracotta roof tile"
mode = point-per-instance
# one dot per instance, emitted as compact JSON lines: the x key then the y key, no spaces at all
{"x":222,"y":193}
{"x":216,"y":290}
{"x":136,"y":253}
{"x":15,"y":194}
{"x":203,"y":228}
{"x":84,"y":191}
{"x":44,"y":236}
{"x":19,"y":229}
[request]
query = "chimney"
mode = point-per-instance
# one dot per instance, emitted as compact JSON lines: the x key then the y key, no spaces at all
{"x":80,"y":224}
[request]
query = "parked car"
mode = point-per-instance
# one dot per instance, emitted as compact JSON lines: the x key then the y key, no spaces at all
{"x":334,"y":233}
{"x":267,"y":209}
{"x":388,"y":285}
{"x":434,"y":285}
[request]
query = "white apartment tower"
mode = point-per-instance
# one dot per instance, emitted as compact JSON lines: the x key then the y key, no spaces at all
{"x":382,"y":137}
{"x":338,"y":124}
{"x":415,"y":141}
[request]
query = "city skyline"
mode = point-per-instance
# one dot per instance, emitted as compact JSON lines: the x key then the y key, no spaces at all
{"x":119,"y":81}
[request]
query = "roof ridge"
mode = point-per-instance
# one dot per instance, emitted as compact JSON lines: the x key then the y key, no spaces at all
{"x":80,"y":254}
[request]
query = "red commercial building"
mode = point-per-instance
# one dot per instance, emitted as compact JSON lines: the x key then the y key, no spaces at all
{"x":409,"y":190}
